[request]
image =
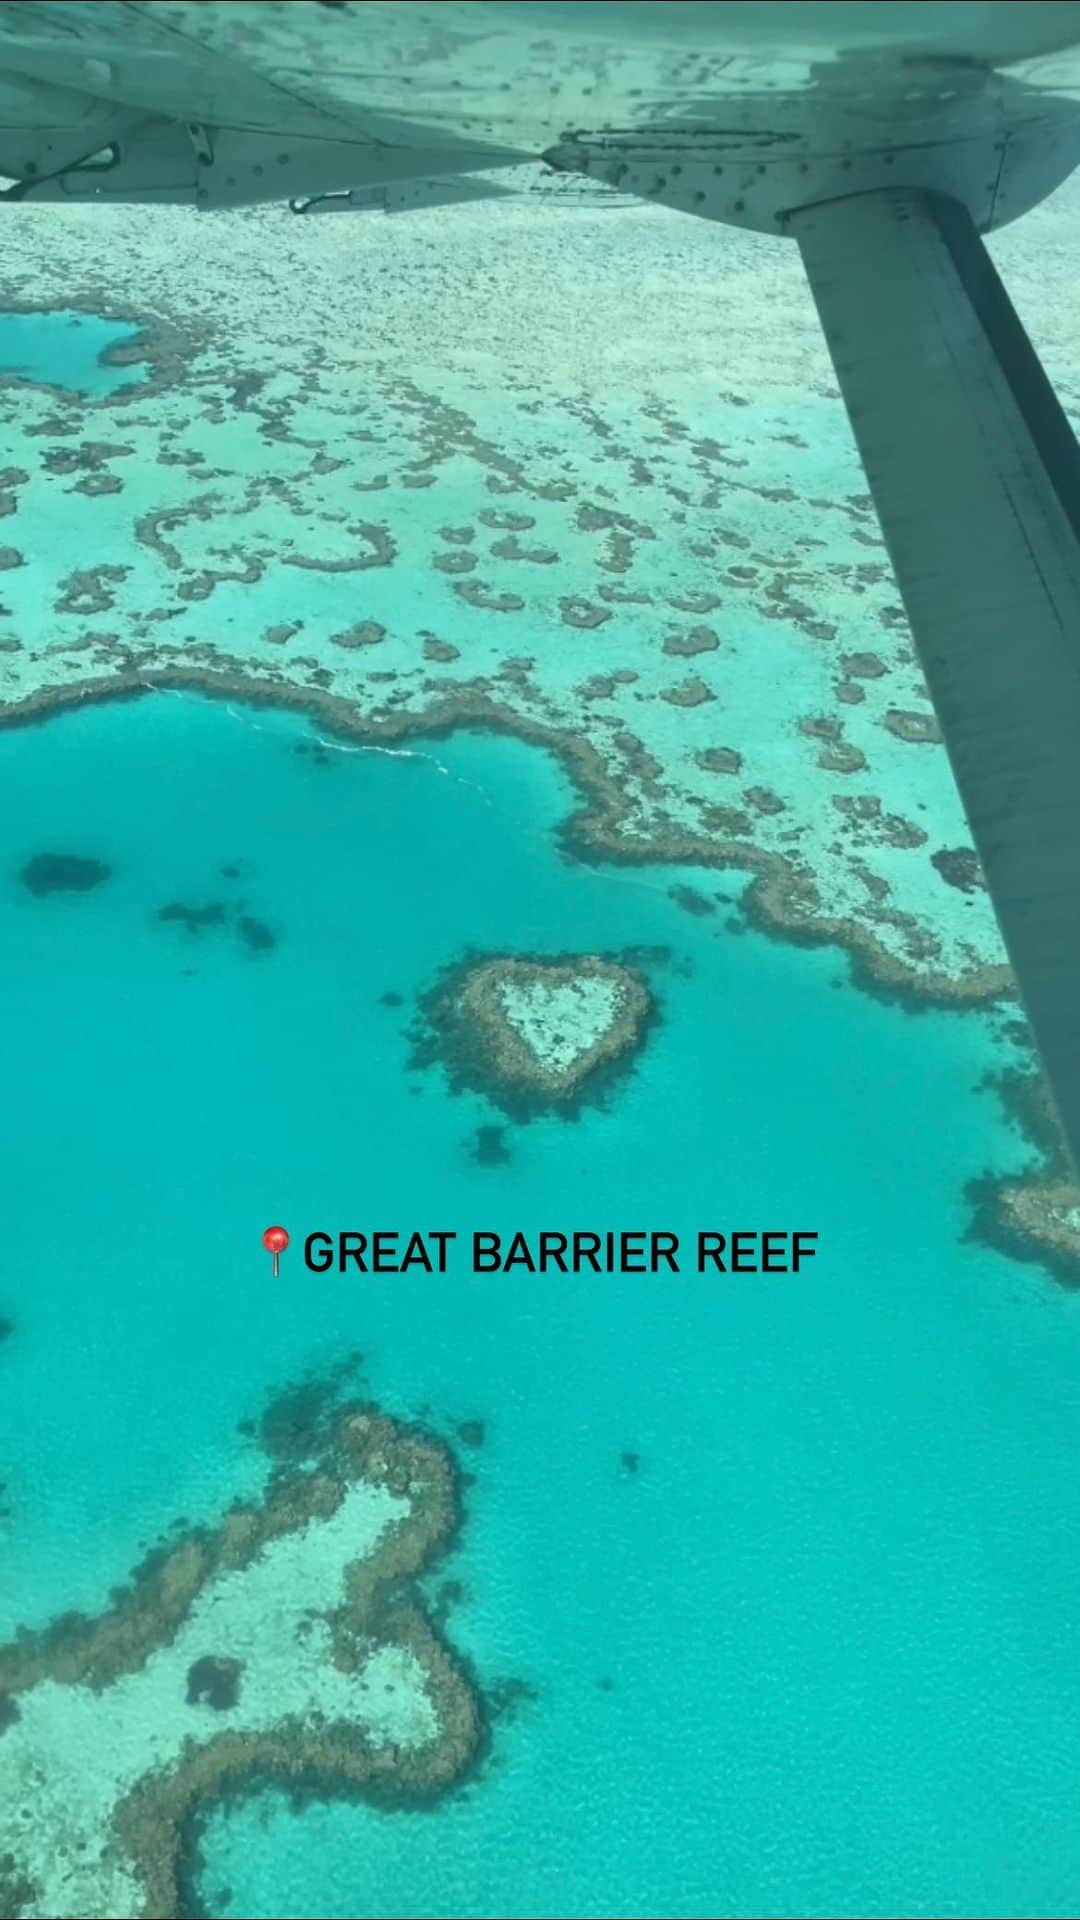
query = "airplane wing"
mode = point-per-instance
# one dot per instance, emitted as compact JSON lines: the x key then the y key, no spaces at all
{"x":520,"y":183}
{"x":884,"y":138}
{"x":225,"y":101}
{"x":975,"y":474}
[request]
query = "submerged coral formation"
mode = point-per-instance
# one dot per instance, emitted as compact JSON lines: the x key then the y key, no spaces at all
{"x":1034,"y":1215}
{"x":285,"y":1642}
{"x":536,"y":1035}
{"x":63,"y":873}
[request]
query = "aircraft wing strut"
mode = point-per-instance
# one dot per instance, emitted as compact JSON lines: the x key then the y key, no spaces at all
{"x":975,"y":473}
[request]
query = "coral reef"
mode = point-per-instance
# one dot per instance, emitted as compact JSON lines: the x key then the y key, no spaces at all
{"x":284,"y":1642}
{"x":63,"y":873}
{"x":536,"y":1035}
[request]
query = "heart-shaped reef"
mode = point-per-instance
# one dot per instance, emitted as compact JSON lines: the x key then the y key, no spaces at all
{"x":536,"y":1035}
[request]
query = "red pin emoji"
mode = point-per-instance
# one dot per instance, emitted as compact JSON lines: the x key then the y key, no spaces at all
{"x":275,"y":1240}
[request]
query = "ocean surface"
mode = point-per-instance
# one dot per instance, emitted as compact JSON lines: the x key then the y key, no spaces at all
{"x":785,"y":1564}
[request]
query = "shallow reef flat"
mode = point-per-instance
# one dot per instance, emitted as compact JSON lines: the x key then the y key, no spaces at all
{"x":283,"y":1644}
{"x":551,"y":520}
{"x":520,"y":469}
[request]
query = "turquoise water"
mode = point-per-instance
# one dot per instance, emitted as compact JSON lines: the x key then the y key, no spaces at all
{"x":62,"y":349}
{"x":816,"y":1654}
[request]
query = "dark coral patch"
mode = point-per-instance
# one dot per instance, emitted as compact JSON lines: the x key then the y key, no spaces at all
{"x":916,"y":727}
{"x":440,"y":650}
{"x":959,"y":867}
{"x":17,"y":1890}
{"x":296,"y":1423}
{"x":214,"y":1681}
{"x":719,"y":760}
{"x":697,"y":640}
{"x":194,"y":918}
{"x":691,"y":900}
{"x":256,"y":935}
{"x":490,"y":1148}
{"x":63,"y":873}
{"x":365,"y":633}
